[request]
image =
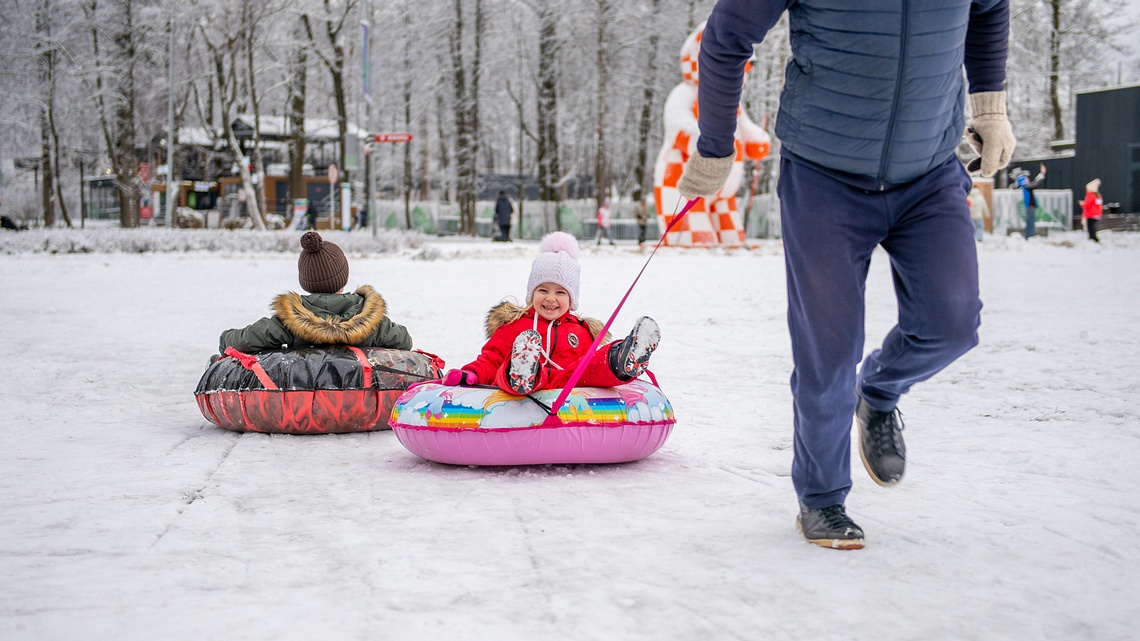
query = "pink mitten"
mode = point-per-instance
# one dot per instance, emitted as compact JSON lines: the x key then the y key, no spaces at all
{"x":455,"y":377}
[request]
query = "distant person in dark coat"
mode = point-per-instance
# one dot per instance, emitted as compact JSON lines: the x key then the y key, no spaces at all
{"x":503,"y":211}
{"x":641,"y":214}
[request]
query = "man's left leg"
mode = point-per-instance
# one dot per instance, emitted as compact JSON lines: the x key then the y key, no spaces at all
{"x":935,"y":267}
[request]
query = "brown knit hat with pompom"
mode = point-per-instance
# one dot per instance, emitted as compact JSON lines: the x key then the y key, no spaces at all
{"x":322,"y":267}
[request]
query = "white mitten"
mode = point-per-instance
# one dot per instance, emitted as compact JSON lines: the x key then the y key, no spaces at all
{"x":704,"y":176}
{"x":989,"y":132}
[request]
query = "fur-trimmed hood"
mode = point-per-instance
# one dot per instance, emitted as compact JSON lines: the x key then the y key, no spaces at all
{"x":328,"y":319}
{"x":507,"y":312}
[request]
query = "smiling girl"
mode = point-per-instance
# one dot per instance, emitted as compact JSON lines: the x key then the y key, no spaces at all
{"x":538,"y":346}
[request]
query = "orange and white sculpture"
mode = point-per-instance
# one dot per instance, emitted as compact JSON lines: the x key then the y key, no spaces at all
{"x":714,"y":221}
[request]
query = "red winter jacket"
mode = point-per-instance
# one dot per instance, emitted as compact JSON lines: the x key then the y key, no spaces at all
{"x":569,"y":341}
{"x":1092,"y":205}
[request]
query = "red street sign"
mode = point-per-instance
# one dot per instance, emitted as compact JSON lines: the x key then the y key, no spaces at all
{"x":144,"y":172}
{"x":332,"y":174}
{"x":392,"y":136}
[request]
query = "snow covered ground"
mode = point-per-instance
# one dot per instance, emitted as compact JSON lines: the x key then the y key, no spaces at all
{"x":125,"y":515}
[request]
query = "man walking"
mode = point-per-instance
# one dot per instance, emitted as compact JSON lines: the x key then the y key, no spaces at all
{"x":870,"y":115}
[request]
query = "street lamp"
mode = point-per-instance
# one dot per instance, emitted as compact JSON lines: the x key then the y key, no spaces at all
{"x":170,"y":188}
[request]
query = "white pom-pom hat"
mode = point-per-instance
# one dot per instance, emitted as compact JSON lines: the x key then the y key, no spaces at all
{"x":558,"y":264}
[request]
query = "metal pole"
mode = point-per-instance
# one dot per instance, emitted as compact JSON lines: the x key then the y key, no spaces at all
{"x":82,"y":196}
{"x":368,"y":166}
{"x":171,"y":189}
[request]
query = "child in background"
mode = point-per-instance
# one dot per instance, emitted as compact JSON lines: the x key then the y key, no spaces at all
{"x":326,"y":316}
{"x":978,"y":212}
{"x":539,"y":346}
{"x":1092,"y":207}
{"x":605,"y":218}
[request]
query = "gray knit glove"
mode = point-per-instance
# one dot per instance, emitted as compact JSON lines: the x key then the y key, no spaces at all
{"x":704,"y":176}
{"x":989,"y":132}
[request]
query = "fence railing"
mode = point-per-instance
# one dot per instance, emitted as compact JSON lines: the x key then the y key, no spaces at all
{"x":537,"y":219}
{"x":578,"y":217}
{"x":1054,"y":209}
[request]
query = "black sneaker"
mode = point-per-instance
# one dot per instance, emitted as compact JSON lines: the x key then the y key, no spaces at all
{"x":829,"y":527}
{"x":881,"y":443}
{"x":526,"y":354}
{"x":630,"y":358}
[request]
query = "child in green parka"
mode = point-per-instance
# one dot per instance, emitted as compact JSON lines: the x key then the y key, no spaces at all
{"x":325,"y":316}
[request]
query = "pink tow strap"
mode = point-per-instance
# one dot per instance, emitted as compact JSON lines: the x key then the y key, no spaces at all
{"x":552,"y":417}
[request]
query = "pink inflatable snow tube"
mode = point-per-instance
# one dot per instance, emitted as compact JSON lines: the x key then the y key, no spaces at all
{"x":486,"y":426}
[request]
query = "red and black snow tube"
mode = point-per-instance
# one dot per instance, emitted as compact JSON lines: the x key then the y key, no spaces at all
{"x":332,"y":390}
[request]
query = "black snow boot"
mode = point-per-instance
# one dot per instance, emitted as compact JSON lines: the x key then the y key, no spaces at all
{"x":881,"y":443}
{"x":630,"y":358}
{"x":526,"y":356}
{"x":829,"y":527}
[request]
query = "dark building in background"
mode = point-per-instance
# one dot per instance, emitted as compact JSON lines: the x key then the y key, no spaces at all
{"x":1107,"y":146}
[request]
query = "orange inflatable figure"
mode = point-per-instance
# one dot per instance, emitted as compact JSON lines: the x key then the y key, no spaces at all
{"x":713,"y":221}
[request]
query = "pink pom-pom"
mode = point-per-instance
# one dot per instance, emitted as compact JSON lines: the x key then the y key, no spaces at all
{"x":559,"y":241}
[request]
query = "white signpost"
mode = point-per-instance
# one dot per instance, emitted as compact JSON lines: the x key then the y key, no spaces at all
{"x":345,"y":206}
{"x":333,"y":176}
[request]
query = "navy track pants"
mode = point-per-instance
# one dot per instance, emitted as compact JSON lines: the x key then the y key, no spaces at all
{"x":830,"y":229}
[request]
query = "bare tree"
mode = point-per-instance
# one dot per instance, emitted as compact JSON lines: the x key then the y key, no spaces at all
{"x":45,"y":63}
{"x":1055,"y":67}
{"x":408,"y":183}
{"x":252,"y":15}
{"x":330,"y":48}
{"x":444,"y":151}
{"x":603,"y":16}
{"x":524,"y":131}
{"x":298,"y":69}
{"x":465,"y":87}
{"x":224,"y":42}
{"x":648,"y":102}
{"x":1057,"y":48}
{"x":115,"y":96}
{"x":546,"y":107}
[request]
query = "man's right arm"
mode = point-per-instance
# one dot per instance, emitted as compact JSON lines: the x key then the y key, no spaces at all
{"x":733,"y":27}
{"x":987,"y":45}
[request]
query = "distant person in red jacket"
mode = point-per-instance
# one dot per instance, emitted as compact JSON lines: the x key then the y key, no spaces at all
{"x":539,"y":346}
{"x":1092,"y":207}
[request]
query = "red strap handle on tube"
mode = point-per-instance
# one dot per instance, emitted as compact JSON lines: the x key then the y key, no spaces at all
{"x":249,"y":362}
{"x":365,"y":366}
{"x":552,"y":418}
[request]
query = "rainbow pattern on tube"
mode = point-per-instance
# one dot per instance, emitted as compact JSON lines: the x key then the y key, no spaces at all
{"x":436,"y":406}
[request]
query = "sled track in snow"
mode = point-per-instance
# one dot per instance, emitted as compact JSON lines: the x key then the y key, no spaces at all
{"x":193,"y":495}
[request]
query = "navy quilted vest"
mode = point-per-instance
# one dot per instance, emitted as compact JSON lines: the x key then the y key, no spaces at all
{"x":861,"y":99}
